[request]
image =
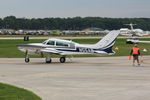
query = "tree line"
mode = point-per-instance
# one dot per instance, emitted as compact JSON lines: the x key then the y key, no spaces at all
{"x":75,"y":23}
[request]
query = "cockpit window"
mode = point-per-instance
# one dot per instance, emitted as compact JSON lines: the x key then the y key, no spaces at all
{"x":61,"y":44}
{"x":51,"y":43}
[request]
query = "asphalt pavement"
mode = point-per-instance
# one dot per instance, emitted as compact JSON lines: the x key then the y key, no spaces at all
{"x":93,"y":78}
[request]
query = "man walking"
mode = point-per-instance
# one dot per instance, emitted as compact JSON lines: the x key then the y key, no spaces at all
{"x":135,"y":52}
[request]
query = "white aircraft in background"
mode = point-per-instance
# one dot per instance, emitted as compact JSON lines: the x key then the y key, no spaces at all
{"x":66,"y":47}
{"x":132,"y":32}
{"x":135,"y":40}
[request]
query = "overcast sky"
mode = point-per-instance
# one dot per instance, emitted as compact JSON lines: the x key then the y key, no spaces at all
{"x":73,"y":8}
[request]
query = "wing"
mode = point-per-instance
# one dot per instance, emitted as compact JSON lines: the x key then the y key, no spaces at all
{"x":51,"y":50}
{"x":32,"y":48}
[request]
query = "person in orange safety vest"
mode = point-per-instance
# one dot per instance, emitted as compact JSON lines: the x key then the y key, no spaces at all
{"x":135,"y":52}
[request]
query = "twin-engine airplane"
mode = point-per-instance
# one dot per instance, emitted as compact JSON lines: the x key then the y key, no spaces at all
{"x":66,"y":47}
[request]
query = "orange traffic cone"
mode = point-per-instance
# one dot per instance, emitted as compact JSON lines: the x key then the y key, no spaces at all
{"x":130,"y":57}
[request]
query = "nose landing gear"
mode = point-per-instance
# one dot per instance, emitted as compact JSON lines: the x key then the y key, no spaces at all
{"x":27,"y":60}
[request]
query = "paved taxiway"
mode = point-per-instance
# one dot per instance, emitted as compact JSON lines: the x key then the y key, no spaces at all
{"x":101,"y":78}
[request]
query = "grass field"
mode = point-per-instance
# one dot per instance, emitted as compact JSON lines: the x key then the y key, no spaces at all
{"x":52,"y":35}
{"x":8,"y":92}
{"x":8,"y":48}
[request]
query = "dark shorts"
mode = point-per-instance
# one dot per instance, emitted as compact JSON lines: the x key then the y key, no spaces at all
{"x":136,"y":57}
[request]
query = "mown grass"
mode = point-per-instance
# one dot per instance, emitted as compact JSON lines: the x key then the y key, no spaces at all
{"x":9,"y":92}
{"x":52,"y":35}
{"x":8,"y":48}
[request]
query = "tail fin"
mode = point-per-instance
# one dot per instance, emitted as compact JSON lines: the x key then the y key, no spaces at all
{"x":107,"y":42}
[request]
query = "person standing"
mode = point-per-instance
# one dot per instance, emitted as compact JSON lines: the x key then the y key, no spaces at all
{"x":135,"y":52}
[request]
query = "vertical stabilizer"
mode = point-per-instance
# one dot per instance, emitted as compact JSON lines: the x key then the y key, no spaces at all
{"x":108,"y":40}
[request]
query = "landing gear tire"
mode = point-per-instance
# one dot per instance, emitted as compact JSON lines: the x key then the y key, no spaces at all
{"x":48,"y":60}
{"x":62,"y":59}
{"x":27,"y":60}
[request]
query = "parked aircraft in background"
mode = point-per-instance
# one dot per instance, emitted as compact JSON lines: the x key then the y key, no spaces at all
{"x":135,"y":40}
{"x":132,"y":31}
{"x":66,"y":47}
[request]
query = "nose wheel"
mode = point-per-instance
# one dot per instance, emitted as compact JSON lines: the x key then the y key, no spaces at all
{"x":62,"y":59}
{"x":27,"y":60}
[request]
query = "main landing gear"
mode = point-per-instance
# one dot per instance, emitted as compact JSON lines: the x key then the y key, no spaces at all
{"x":49,"y":60}
{"x":62,"y":59}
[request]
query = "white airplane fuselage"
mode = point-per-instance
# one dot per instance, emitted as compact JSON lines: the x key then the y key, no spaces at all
{"x":36,"y":48}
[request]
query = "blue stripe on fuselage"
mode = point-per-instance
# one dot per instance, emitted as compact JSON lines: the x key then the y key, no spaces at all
{"x":108,"y":50}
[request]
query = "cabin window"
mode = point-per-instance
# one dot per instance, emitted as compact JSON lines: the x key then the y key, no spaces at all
{"x":61,"y":44}
{"x":51,"y":43}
